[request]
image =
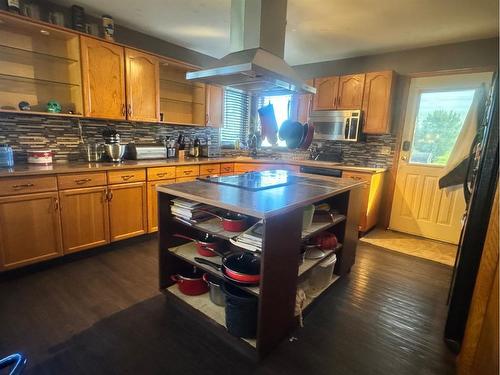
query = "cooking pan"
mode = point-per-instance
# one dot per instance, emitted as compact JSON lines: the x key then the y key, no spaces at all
{"x":241,"y":267}
{"x":306,"y":142}
{"x":205,"y":248}
{"x":232,"y":222}
{"x":295,"y":135}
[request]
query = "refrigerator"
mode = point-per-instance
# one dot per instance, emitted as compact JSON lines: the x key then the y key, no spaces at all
{"x":479,"y":189}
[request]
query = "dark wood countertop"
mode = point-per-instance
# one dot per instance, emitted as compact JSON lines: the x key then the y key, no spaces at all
{"x":264,"y":203}
{"x":80,"y":167}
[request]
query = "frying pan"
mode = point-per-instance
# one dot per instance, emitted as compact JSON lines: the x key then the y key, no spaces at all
{"x":306,"y":142}
{"x":232,"y":222}
{"x":243,"y":267}
{"x":205,"y":248}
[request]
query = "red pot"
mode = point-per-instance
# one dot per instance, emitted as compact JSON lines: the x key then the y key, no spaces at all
{"x":232,"y":222}
{"x":326,"y":241}
{"x":191,"y":284}
{"x":204,"y":248}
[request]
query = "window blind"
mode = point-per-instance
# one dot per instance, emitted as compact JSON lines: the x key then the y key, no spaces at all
{"x":236,"y":116}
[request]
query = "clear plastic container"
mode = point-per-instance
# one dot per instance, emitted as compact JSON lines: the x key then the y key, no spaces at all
{"x":322,"y":275}
{"x":307,"y":216}
{"x":6,"y":156}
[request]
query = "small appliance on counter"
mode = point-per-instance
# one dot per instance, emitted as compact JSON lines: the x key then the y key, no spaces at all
{"x":113,"y":149}
{"x":43,"y":157}
{"x":145,"y":151}
{"x":6,"y":156}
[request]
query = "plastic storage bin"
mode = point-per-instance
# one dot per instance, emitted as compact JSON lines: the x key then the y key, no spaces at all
{"x":322,"y":275}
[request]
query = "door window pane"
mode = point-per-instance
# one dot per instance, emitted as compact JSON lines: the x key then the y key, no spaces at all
{"x":439,"y":120}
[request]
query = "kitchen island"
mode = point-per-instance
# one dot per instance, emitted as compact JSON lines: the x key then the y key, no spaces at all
{"x":280,"y":209}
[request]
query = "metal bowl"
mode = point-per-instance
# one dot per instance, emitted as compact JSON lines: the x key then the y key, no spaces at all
{"x":114,"y":151}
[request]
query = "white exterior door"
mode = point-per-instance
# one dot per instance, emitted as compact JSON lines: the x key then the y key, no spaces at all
{"x":436,"y":110}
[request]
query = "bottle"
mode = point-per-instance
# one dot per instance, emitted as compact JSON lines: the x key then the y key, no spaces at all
{"x":181,"y":141}
{"x":108,"y":25}
{"x":13,"y":6}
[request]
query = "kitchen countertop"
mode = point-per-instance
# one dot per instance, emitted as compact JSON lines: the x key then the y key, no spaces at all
{"x":60,"y":168}
{"x":262,"y":203}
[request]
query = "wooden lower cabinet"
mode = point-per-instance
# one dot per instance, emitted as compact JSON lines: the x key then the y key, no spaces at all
{"x":30,"y":229}
{"x":153,"y":203}
{"x":245,"y":167}
{"x":127,"y":210}
{"x":84,"y":218}
{"x":371,"y":197}
{"x":186,"y":179}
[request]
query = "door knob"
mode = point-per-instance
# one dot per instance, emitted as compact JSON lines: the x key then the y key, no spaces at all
{"x":404,"y":157}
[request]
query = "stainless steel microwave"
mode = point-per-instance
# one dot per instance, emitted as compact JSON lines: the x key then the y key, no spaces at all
{"x":336,"y":125}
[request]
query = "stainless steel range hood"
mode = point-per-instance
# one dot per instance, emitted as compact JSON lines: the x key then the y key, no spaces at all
{"x":257,"y":65}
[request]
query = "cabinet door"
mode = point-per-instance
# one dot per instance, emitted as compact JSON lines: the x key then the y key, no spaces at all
{"x":326,"y":93}
{"x":365,"y":196}
{"x":350,"y":95}
{"x":153,"y":203}
{"x":127,"y":210}
{"x":30,"y":229}
{"x":103,"y":73}
{"x":143,"y":86}
{"x":84,"y":218}
{"x":215,"y":106}
{"x":377,"y":102}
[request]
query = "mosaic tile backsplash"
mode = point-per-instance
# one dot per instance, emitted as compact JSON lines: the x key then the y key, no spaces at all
{"x":62,"y":135}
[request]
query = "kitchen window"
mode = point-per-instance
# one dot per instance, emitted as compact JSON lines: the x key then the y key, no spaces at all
{"x":281,"y":105}
{"x":236,"y":117}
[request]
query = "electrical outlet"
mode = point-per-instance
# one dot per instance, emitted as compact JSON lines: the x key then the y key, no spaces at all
{"x":386,"y":150}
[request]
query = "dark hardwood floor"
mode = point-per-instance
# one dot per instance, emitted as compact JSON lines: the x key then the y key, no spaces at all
{"x":103,"y":314}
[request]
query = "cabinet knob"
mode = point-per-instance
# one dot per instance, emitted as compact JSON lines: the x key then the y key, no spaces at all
{"x":127,"y":177}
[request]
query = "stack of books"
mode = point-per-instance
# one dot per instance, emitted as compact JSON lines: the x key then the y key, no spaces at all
{"x":187,"y":211}
{"x":251,"y":239}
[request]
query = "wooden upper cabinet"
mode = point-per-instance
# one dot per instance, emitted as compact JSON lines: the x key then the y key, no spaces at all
{"x":143,"y":86}
{"x":350,"y":93}
{"x":215,"y":106}
{"x":103,"y":73}
{"x":326,"y":93}
{"x":377,"y":102}
{"x":30,"y":229}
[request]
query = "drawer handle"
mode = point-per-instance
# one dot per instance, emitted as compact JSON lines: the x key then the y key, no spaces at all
{"x":127,"y":177}
{"x":187,"y":172}
{"x":83,"y":181}
{"x":22,"y":186}
{"x":356,"y":178}
{"x":161,"y":174}
{"x":210,"y":170}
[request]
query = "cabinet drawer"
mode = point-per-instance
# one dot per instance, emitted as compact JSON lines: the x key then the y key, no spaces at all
{"x":78,"y":180}
{"x":161,"y":173}
{"x":24,"y":185}
{"x":185,"y":179}
{"x":187,"y":170}
{"x":245,"y":167}
{"x":227,"y":167}
{"x":366,"y":177}
{"x":209,"y":169}
{"x":128,"y":175}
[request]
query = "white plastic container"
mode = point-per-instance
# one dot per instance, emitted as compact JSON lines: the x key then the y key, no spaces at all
{"x":307,"y":216}
{"x":322,"y":275}
{"x":43,"y":157}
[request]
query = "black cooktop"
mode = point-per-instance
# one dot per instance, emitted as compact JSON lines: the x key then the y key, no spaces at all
{"x":256,"y":180}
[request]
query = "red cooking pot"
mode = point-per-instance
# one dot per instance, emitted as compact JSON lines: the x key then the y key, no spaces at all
{"x":231,"y":221}
{"x":243,"y":268}
{"x":205,"y":248}
{"x":325,"y":241}
{"x":191,"y":283}
{"x":306,"y":142}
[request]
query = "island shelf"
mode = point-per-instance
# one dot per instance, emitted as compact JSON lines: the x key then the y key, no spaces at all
{"x":281,"y":212}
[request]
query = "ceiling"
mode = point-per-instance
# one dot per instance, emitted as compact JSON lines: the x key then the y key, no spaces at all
{"x":317,"y":30}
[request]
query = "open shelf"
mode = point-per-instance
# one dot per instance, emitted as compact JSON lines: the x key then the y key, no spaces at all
{"x":203,"y":304}
{"x":188,"y":252}
{"x":309,"y":264}
{"x":35,"y":81}
{"x":311,"y":298}
{"x":318,"y":227}
{"x":213,"y":227}
{"x":40,"y":113}
{"x":12,"y":53}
